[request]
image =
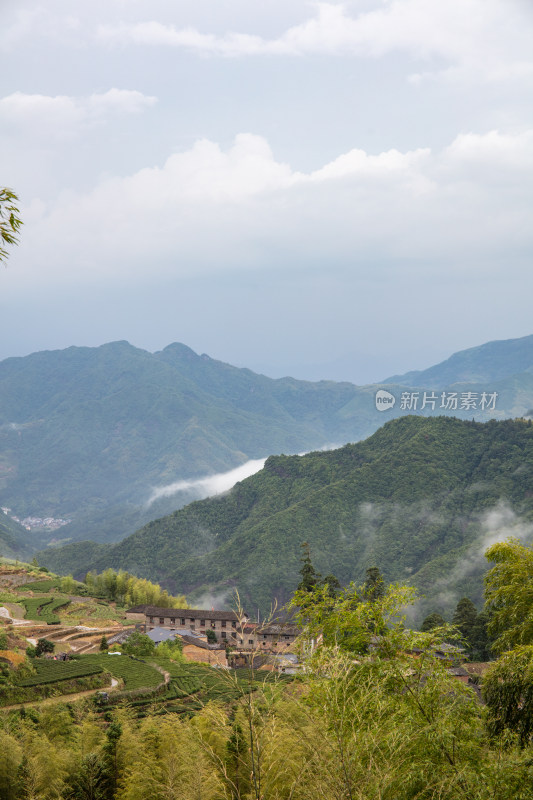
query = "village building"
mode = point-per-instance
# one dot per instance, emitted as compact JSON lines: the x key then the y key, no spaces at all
{"x":227,"y":626}
{"x":276,"y":636}
{"x":195,"y":646}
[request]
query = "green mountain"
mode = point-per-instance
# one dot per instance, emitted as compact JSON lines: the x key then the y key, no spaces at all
{"x":421,"y":498}
{"x":87,"y":434}
{"x":490,"y":363}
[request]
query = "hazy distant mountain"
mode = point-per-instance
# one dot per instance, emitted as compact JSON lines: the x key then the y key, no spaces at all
{"x":486,"y":364}
{"x":86,"y":434}
{"x":421,"y":498}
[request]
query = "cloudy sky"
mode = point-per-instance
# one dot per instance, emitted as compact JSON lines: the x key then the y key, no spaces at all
{"x":338,"y":190}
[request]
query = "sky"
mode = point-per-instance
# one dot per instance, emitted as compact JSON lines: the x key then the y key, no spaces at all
{"x":325,"y":190}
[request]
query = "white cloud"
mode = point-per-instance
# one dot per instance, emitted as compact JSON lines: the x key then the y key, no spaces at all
{"x":63,"y":116}
{"x":23,"y":24}
{"x":490,"y":39}
{"x":211,"y":484}
{"x":124,"y":101}
{"x":207,"y":209}
{"x":39,"y":22}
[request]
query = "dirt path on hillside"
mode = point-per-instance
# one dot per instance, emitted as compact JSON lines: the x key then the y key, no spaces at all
{"x":63,"y":698}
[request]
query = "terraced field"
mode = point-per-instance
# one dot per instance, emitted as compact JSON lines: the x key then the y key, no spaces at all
{"x":191,"y":686}
{"x":42,"y":609}
{"x":135,"y":674}
{"x":41,"y":586}
{"x":57,"y":671}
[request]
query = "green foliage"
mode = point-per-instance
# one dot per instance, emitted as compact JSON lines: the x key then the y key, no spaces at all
{"x":171,"y":649}
{"x":508,"y":693}
{"x":332,"y":585}
{"x":10,"y":222}
{"x":509,"y":594}
{"x":88,"y":781}
{"x":44,"y":646}
{"x":352,"y":620}
{"x":127,"y":589}
{"x":310,"y":578}
{"x":138,"y":644}
{"x":473,"y":630}
{"x":464,"y":617}
{"x":434,"y":620}
{"x":104,"y":647}
{"x":374,"y":587}
{"x":211,"y":636}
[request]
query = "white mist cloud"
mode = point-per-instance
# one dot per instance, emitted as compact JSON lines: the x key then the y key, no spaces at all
{"x":62,"y":116}
{"x":496,"y":525}
{"x":485,"y":38}
{"x":471,"y":202}
{"x":215,"y":601}
{"x":211,"y":484}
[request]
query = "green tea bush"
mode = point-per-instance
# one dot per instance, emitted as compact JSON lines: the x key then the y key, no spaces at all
{"x":42,"y":609}
{"x":48,"y":671}
{"x":135,"y":674}
{"x":41,"y":586}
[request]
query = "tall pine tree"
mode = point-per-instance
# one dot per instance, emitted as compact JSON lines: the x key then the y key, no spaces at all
{"x":310,"y":577}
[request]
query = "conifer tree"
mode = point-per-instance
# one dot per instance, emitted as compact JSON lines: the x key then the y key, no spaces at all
{"x":464,"y":619}
{"x":374,"y":586}
{"x":310,"y":577}
{"x":434,"y":620}
{"x":332,"y":585}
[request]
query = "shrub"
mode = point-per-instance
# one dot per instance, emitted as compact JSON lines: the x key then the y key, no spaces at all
{"x":139,"y":644}
{"x":44,"y":646}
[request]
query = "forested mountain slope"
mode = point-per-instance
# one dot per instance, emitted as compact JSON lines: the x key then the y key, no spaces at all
{"x":421,"y":499}
{"x":86,"y":434}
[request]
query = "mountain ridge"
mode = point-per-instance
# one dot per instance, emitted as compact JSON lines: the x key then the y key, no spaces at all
{"x":494,"y":361}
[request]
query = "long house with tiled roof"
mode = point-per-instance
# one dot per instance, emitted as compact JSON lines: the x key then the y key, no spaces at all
{"x":227,"y":625}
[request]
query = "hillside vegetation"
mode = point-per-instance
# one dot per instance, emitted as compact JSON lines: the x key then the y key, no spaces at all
{"x":421,"y":499}
{"x":86,"y":434}
{"x":14,"y":539}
